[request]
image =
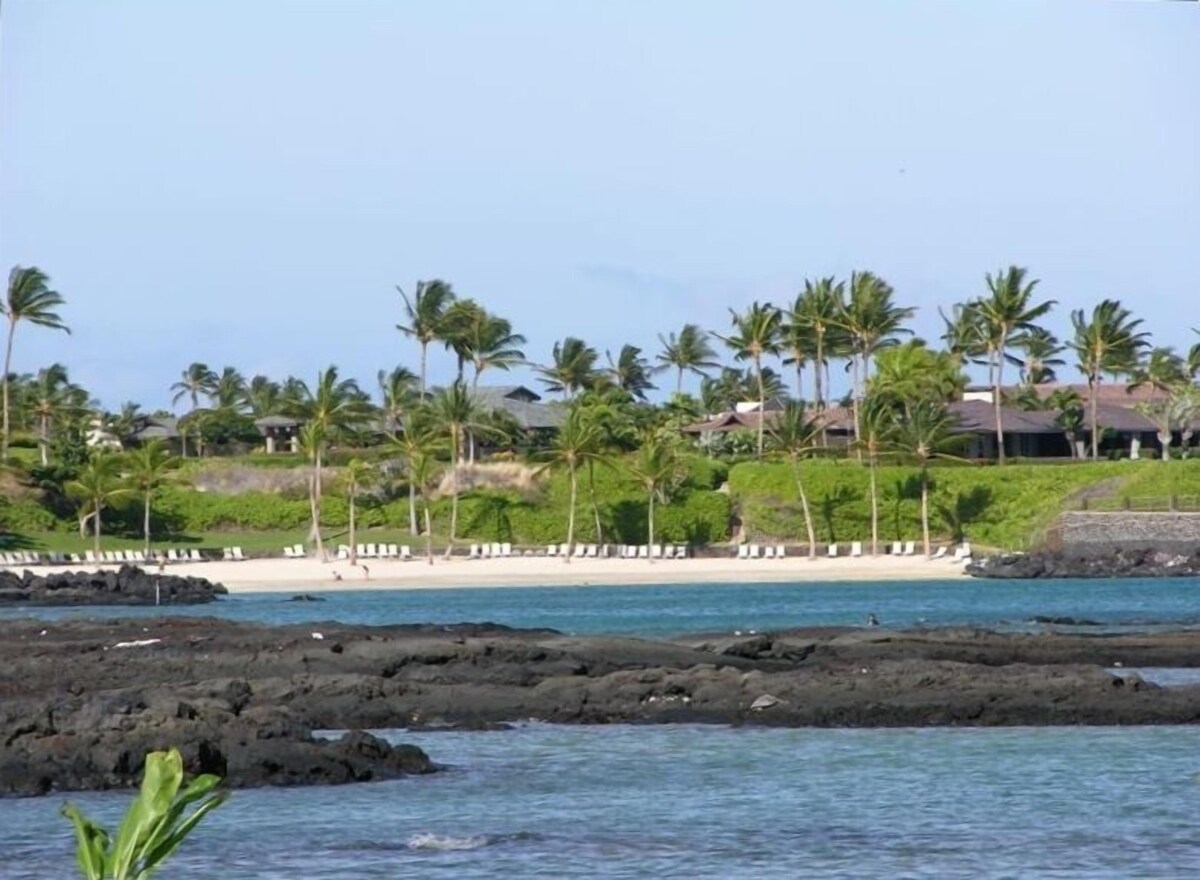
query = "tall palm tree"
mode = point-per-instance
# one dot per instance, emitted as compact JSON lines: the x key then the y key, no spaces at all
{"x":1007,"y":309}
{"x":924,"y":432}
{"x":457,"y":413}
{"x":1067,"y":403}
{"x":416,"y":443}
{"x":1162,"y":371}
{"x":572,"y":368}
{"x":1193,"y":358}
{"x":399,"y":394}
{"x":97,"y":485}
{"x":630,"y":371}
{"x":359,"y":475}
{"x":1107,"y":342}
{"x":963,"y":334}
{"x":656,"y":467}
{"x":264,"y":397}
{"x":1041,"y":350}
{"x":51,"y":396}
{"x":817,"y":312}
{"x":871,"y":321}
{"x":755,"y":336}
{"x":31,"y":300}
{"x":422,"y":451}
{"x":332,"y":408}
{"x":579,"y":443}
{"x":426,"y":314}
{"x":492,"y":344}
{"x":196,"y":380}
{"x":689,"y":352}
{"x":228,"y":391}
{"x":794,"y":436}
{"x":312,"y":442}
{"x":148,"y":469}
{"x":912,"y":371}
{"x":876,"y":426}
{"x":457,"y":323}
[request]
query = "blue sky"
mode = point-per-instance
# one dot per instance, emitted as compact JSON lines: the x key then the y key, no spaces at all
{"x":244,"y":183}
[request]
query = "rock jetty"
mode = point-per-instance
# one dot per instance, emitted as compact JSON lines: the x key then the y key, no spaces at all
{"x":129,"y":585}
{"x":1117,"y":563}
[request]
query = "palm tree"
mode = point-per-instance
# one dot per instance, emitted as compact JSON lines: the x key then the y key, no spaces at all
{"x":756,"y":335}
{"x":1193,"y":358}
{"x":656,"y":467}
{"x":29,"y":299}
{"x":149,"y":469}
{"x":456,"y":412}
{"x":51,"y":396}
{"x":457,"y":322}
{"x":911,"y":371}
{"x":197,"y":379}
{"x":1108,"y":342}
{"x":421,"y":449}
{"x":1008,"y":309}
{"x":1041,"y":349}
{"x":964,"y":334}
{"x":924,"y":432}
{"x":794,"y":436}
{"x":1067,"y":403}
{"x":630,"y":371}
{"x":797,"y":344}
{"x":1163,"y":370}
{"x":688,"y":352}
{"x":331,"y":408}
{"x":579,"y":442}
{"x":399,"y":396}
{"x":877,"y":423}
{"x":228,"y":391}
{"x":263,"y":397}
{"x":426,"y":313}
{"x":871,"y":322}
{"x":818,"y":312}
{"x":416,"y":438}
{"x":491,"y":344}
{"x":359,"y":475}
{"x":573,"y":367}
{"x":97,"y":485}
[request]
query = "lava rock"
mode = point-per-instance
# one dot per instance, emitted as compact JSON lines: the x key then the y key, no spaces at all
{"x":129,"y":585}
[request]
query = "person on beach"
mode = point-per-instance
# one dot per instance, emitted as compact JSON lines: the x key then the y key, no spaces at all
{"x":366,"y":573}
{"x":872,"y":620}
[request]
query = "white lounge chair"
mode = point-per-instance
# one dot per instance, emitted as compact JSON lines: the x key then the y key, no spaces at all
{"x":643,"y":551}
{"x":669,"y":551}
{"x":897,"y":548}
{"x":780,"y":551}
{"x":656,"y":551}
{"x":754,"y":548}
{"x":856,"y":548}
{"x":75,"y":560}
{"x":743,"y":551}
{"x":506,"y":549}
{"x":343,"y":551}
{"x":551,"y":549}
{"x":405,"y":552}
{"x":172,"y":554}
{"x":963,"y":553}
{"x":591,"y":551}
{"x":227,"y":554}
{"x":195,"y":556}
{"x":910,"y":548}
{"x":497,"y":549}
{"x":473,"y":553}
{"x":139,"y":556}
{"x":940,"y":554}
{"x":769,"y":552}
{"x":238,"y":555}
{"x":833,"y":551}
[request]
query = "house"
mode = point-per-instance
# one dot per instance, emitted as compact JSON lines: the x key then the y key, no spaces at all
{"x":153,"y":427}
{"x":537,"y":420}
{"x":282,"y":433}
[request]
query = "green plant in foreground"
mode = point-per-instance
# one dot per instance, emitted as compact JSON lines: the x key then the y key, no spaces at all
{"x":153,"y":828}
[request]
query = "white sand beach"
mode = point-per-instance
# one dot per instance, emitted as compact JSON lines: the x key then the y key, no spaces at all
{"x":284,"y":575}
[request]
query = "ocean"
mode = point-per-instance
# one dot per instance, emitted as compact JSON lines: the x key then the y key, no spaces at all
{"x":711,"y":802}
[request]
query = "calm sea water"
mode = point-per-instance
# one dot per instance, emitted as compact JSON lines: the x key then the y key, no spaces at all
{"x":696,"y":802}
{"x":688,"y":608}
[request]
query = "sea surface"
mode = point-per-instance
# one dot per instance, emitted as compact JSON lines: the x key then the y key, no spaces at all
{"x":711,"y":802}
{"x":667,"y":610}
{"x":704,"y":802}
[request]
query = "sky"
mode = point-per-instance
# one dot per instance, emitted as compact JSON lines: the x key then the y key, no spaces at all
{"x":246,"y":183}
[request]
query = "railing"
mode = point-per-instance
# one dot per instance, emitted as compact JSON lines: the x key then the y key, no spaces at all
{"x":1139,"y":504}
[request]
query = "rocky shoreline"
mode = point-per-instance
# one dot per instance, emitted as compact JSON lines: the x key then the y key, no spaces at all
{"x":81,"y":700}
{"x":1116,"y":563}
{"x":128,"y":585}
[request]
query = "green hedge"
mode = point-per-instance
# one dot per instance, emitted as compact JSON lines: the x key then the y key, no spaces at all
{"x":1003,"y":507}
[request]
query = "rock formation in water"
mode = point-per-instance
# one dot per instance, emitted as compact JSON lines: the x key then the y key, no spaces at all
{"x":129,"y":585}
{"x":1087,"y":564}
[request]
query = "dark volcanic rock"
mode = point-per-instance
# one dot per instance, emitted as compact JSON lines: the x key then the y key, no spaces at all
{"x":1087,"y":564}
{"x":129,"y":585}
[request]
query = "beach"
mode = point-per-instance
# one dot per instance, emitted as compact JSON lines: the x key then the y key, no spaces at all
{"x":289,"y":575}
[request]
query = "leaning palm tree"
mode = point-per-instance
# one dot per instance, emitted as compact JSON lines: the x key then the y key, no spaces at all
{"x":457,"y":322}
{"x":794,"y":436}
{"x":817,"y":312}
{"x":29,"y":299}
{"x":456,"y":412}
{"x":97,"y":486}
{"x":689,"y":352}
{"x":311,"y":442}
{"x":1069,"y":406}
{"x":422,"y":451}
{"x":1107,"y":342}
{"x":656,"y":468}
{"x":359,"y":475}
{"x":1040,"y":349}
{"x":416,"y":441}
{"x":228,"y":391}
{"x":51,"y":397}
{"x":1162,"y":371}
{"x":264,"y":397}
{"x":877,"y":423}
{"x":492,"y":344}
{"x":1008,"y":309}
{"x":148,"y":470}
{"x":426,"y":315}
{"x":925,"y":432}
{"x":871,"y":322}
{"x":573,"y":367}
{"x":196,"y":380}
{"x":399,"y":396}
{"x":1193,"y":358}
{"x":755,"y":336}
{"x":963,"y":333}
{"x":630,"y":371}
{"x":580,"y":442}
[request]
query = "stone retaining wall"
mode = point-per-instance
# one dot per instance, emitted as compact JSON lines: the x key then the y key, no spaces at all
{"x":1175,"y":532}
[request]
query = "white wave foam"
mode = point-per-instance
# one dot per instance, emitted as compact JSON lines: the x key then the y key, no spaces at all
{"x":426,"y":840}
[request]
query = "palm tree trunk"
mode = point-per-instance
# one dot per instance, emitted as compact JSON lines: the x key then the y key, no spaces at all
{"x":1164,"y":440}
{"x":350,"y":535}
{"x":12,"y":329}
{"x":314,"y":502}
{"x":996,"y":398}
{"x":412,"y":508}
{"x":592,"y":498}
{"x":96,"y":531}
{"x":679,"y":382}
{"x":762,"y":403}
{"x":820,"y":401}
{"x":571,"y":516}
{"x":424,"y":348}
{"x":808,"y":523}
{"x":453,"y":495}
{"x":146,"y":523}
{"x":1093,"y":381}
{"x":799,"y":377}
{"x":44,"y":438}
{"x":428,"y":534}
{"x":854,"y":397}
{"x":874,"y":505}
{"x":650,"y":528}
{"x":925,"y":508}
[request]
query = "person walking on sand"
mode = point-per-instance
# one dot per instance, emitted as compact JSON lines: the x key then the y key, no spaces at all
{"x":366,"y":572}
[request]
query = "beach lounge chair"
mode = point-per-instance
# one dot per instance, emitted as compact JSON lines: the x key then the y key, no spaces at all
{"x":75,"y":560}
{"x":780,"y":551}
{"x":506,"y":549}
{"x":833,"y":551}
{"x":897,"y":548}
{"x":940,"y":554}
{"x":966,"y":552}
{"x":910,"y":548}
{"x":238,"y":555}
{"x":227,"y":554}
{"x":405,"y":552}
{"x":194,"y":556}
{"x":578,"y":550}
{"x":361,"y":549}
{"x":743,"y":551}
{"x":669,"y":551}
{"x":856,"y":548}
{"x":497,"y":550}
{"x":754,"y":548}
{"x":372,"y":551}
{"x":172,"y":555}
{"x":591,"y":551}
{"x":551,"y":549}
{"x":343,"y":551}
{"x":139,"y":556}
{"x":656,"y":551}
{"x":643,"y":551}
{"x":473,"y":553}
{"x":769,"y":552}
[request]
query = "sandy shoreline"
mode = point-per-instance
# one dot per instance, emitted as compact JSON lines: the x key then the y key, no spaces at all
{"x":290,"y":575}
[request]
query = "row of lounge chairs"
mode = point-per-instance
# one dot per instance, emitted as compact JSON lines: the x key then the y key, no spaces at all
{"x":376,"y":551}
{"x":898,"y":548}
{"x":110,"y":557}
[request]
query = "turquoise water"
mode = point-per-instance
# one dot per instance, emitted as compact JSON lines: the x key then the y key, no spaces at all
{"x":689,"y":608}
{"x":625,"y":802}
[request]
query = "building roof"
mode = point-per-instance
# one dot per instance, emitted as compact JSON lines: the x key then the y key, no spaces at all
{"x":278,"y":422}
{"x":523,"y":405}
{"x":155,"y":428}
